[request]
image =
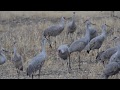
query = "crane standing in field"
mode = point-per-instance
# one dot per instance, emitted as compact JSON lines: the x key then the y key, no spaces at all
{"x":63,"y":53}
{"x":97,"y":42}
{"x":105,"y":55}
{"x":54,"y":30}
{"x":93,"y":32}
{"x":113,"y":67}
{"x":71,"y":27}
{"x":37,"y":62}
{"x":79,"y":45}
{"x":17,"y":60}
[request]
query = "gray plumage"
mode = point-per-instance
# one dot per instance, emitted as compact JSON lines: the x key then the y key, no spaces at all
{"x":2,"y":56}
{"x":105,"y":55}
{"x":79,"y":45}
{"x":63,"y":51}
{"x":116,"y":57}
{"x":71,"y":27}
{"x":97,"y":42}
{"x":111,"y":69}
{"x":17,"y":60}
{"x":37,"y":62}
{"x":93,"y":32}
{"x":54,"y":30}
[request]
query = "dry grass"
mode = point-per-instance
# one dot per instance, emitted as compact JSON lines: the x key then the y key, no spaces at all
{"x":27,"y":33}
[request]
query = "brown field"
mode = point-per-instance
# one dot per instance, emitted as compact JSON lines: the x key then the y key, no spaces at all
{"x":26,"y":28}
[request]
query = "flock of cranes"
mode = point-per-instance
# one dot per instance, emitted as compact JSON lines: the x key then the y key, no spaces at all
{"x":89,"y":42}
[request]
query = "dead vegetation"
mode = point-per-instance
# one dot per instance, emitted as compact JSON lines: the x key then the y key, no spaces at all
{"x":27,"y":27}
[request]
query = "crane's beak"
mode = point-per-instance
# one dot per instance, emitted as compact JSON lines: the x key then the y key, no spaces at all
{"x":6,"y":51}
{"x":93,"y":24}
{"x":107,"y":25}
{"x":85,"y":21}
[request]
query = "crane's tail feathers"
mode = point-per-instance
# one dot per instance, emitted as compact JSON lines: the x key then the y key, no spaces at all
{"x":21,"y":68}
{"x":88,"y":51}
{"x":50,"y":46}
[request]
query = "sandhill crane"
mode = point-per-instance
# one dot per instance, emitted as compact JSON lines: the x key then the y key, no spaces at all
{"x":116,"y":57}
{"x":111,"y":69}
{"x":2,"y":56}
{"x":93,"y":32}
{"x":97,"y":42}
{"x":17,"y":60}
{"x":37,"y":62}
{"x":63,"y":52}
{"x":105,"y":55}
{"x":79,"y":45}
{"x":71,"y":27}
{"x":54,"y":30}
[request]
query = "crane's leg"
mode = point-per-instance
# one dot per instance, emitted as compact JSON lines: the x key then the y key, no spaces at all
{"x":55,"y":42}
{"x":18,"y":72}
{"x":79,"y":60}
{"x":49,"y":41}
{"x":67,"y":35}
{"x":71,"y":37}
{"x":69,"y":66}
{"x":32,"y":76}
{"x":90,"y":58}
{"x":97,"y":52}
{"x":39,"y":72}
{"x":103,"y":63}
{"x":117,"y":76}
{"x":40,"y":68}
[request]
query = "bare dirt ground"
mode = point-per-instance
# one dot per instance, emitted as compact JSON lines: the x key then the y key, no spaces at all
{"x":27,"y":27}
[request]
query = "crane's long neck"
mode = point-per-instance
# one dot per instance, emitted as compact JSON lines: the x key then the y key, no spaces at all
{"x":88,"y":25}
{"x":43,"y":46}
{"x":104,"y":32}
{"x":62,"y":22}
{"x":73,"y":18}
{"x":87,"y":34}
{"x":15,"y":50}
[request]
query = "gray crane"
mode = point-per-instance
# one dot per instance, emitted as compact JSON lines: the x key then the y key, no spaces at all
{"x":2,"y":56}
{"x":54,"y":30}
{"x":113,"y":67}
{"x":105,"y":55}
{"x":116,"y":57}
{"x":93,"y":32}
{"x":37,"y":62}
{"x":71,"y":27}
{"x":79,"y":45}
{"x":17,"y":60}
{"x":97,"y":42}
{"x":63,"y":53}
{"x":110,"y":69}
